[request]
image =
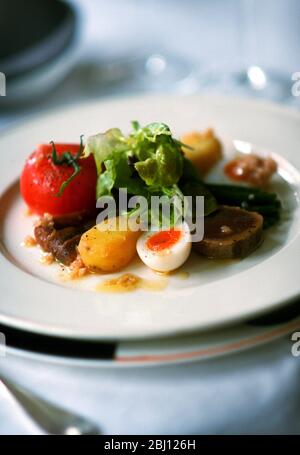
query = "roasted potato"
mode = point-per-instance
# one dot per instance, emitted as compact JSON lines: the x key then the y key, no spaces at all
{"x":108,"y":246}
{"x":207,"y":149}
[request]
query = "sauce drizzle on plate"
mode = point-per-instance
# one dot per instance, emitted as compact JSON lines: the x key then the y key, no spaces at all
{"x":129,"y":282}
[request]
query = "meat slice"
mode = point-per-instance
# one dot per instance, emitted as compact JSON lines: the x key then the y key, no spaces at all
{"x":74,"y":219}
{"x":230,"y":232}
{"x":60,"y":235}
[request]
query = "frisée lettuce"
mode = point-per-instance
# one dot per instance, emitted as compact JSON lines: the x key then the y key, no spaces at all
{"x":148,"y":161}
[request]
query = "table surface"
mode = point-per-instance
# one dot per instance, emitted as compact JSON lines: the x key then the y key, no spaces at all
{"x":256,"y":392}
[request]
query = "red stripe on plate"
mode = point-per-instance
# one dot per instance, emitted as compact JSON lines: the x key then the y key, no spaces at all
{"x":213,"y":350}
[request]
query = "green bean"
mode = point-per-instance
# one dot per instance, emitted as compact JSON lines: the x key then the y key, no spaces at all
{"x":252,"y":199}
{"x":236,"y":195}
{"x":265,"y":210}
{"x":270,"y":221}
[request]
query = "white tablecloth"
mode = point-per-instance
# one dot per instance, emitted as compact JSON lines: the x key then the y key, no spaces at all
{"x":255,"y":391}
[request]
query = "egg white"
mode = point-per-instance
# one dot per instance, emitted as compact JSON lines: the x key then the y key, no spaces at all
{"x":167,"y":259}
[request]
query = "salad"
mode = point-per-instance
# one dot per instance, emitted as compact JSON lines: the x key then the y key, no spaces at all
{"x":65,"y":185}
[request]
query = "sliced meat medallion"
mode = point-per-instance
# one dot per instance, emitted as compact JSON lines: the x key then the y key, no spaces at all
{"x":230,"y":232}
{"x":60,"y":235}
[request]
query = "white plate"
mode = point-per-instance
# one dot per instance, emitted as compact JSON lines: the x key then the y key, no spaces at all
{"x":33,"y":297}
{"x":158,"y":351}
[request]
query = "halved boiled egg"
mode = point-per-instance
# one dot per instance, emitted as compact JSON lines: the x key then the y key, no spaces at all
{"x":165,"y":250}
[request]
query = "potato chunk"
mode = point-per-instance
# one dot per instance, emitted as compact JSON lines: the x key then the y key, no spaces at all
{"x":207,"y":149}
{"x":108,"y":247}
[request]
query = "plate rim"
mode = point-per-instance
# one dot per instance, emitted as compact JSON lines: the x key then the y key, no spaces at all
{"x":261,"y":336}
{"x":57,"y":330}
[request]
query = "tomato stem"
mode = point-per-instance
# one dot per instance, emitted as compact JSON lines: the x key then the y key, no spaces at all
{"x":70,"y":160}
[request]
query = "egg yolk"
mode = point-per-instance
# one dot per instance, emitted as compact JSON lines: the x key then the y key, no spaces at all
{"x":163,"y":240}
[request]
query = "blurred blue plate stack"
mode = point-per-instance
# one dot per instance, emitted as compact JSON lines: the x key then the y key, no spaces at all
{"x":38,"y":46}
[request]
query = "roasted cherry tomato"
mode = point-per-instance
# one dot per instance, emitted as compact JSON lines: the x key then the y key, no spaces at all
{"x":252,"y":169}
{"x":41,"y":182}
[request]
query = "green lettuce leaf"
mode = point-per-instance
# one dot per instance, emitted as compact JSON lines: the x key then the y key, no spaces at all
{"x":159,"y":156}
{"x":163,"y":168}
{"x":148,"y":161}
{"x":104,"y":144}
{"x":191,"y":185}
